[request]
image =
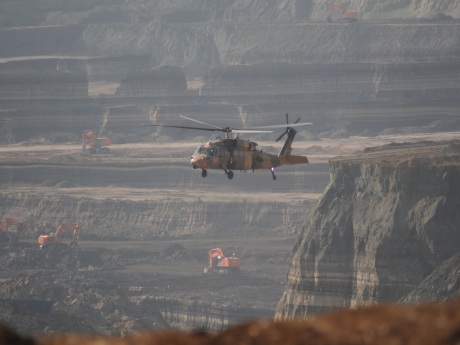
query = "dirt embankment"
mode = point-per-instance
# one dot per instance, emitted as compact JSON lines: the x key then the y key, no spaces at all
{"x":423,"y":324}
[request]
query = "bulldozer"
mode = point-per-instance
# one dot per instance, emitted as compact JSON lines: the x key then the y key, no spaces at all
{"x":218,"y":262}
{"x":45,"y":240}
{"x":92,"y":144}
{"x":338,"y":12}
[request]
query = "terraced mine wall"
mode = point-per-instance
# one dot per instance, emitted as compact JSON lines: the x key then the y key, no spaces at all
{"x":385,"y":222}
{"x":354,"y":99}
{"x":192,"y":315}
{"x":346,"y":79}
{"x":163,"y":218}
{"x":68,"y":196}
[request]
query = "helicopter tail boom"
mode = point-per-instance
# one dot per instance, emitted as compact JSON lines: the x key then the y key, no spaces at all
{"x":285,"y":153}
{"x":290,"y":159}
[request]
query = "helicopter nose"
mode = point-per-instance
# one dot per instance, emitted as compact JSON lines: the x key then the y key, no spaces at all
{"x":197,"y":161}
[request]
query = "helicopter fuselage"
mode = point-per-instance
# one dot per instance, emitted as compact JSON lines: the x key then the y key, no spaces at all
{"x":236,"y":154}
{"x":233,"y":154}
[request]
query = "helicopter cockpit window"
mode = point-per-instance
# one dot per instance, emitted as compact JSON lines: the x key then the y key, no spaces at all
{"x":200,"y":149}
{"x":210,"y":151}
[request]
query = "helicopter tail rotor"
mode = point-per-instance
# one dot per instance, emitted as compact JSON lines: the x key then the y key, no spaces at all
{"x":288,"y":128}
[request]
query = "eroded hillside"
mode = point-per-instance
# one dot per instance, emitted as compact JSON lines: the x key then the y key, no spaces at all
{"x":385,"y":222}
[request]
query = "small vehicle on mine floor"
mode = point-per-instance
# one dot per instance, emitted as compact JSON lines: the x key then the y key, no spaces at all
{"x":52,"y":239}
{"x":10,"y":230}
{"x":218,"y":262}
{"x":338,"y":12}
{"x":91,"y":144}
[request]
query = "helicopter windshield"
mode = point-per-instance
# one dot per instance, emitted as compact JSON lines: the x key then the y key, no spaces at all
{"x":200,"y":150}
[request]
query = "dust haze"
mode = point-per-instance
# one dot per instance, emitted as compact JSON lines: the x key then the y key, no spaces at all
{"x":148,"y":219}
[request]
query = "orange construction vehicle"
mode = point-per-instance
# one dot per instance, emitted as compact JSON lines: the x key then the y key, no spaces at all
{"x":338,"y":12}
{"x":55,"y":238}
{"x":219,"y":262}
{"x":92,"y":144}
{"x":9,"y":222}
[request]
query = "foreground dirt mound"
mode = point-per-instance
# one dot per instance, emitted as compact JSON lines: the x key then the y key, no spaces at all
{"x":385,"y":324}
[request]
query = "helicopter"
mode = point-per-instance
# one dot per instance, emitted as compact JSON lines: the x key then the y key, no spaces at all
{"x":232,"y":153}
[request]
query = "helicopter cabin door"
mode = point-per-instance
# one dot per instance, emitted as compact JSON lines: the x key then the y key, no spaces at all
{"x":242,"y":160}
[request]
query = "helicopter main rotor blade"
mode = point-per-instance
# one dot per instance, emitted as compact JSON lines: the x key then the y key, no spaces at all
{"x":245,"y":131}
{"x":186,"y":127}
{"x":284,"y":126}
{"x":203,"y":123}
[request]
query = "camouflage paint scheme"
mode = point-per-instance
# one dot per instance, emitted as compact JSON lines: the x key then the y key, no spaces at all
{"x":238,"y":154}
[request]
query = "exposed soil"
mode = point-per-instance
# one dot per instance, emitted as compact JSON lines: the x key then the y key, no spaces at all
{"x":400,"y":324}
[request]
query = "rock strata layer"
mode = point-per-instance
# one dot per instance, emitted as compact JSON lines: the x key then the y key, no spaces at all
{"x":387,"y":219}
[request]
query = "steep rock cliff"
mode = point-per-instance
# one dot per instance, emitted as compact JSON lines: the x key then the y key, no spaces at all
{"x":386,"y":220}
{"x":442,"y":284}
{"x":151,"y":219}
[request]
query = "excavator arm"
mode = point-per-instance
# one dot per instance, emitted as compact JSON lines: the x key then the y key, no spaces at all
{"x":214,"y":253}
{"x":7,"y":222}
{"x":56,"y":237}
{"x":338,"y":12}
{"x":95,"y":144}
{"x":223,"y":262}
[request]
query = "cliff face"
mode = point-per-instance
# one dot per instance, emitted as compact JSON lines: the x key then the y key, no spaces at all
{"x":166,"y":217}
{"x":202,"y":35}
{"x":382,"y":226}
{"x":254,"y":60}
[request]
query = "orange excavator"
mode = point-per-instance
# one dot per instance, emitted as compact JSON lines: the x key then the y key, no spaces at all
{"x":338,"y":12}
{"x":55,"y":238}
{"x":10,"y":222}
{"x":218,"y":262}
{"x":92,"y":144}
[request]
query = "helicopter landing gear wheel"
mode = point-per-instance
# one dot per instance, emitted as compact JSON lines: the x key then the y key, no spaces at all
{"x":229,"y":174}
{"x":273,"y":174}
{"x":204,"y":173}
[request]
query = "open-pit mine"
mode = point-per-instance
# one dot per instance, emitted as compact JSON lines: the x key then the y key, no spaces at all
{"x":371,"y":219}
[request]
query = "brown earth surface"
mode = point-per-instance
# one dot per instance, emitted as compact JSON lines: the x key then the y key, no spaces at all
{"x":385,"y":324}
